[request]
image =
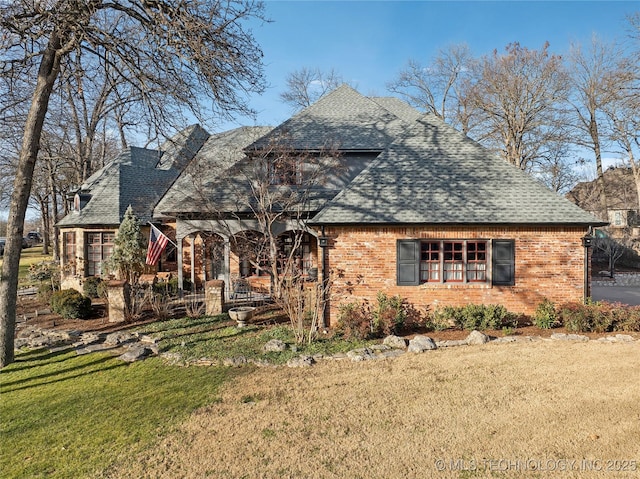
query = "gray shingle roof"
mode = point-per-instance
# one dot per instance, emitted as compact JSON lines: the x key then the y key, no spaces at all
{"x":436,"y":175}
{"x":205,"y":185}
{"x":138,"y":177}
{"x":343,"y":119}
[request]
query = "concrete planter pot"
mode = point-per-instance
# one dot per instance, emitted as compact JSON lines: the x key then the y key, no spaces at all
{"x":241,"y":315}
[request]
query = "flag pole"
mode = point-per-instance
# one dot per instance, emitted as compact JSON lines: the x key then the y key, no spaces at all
{"x":155,"y":228}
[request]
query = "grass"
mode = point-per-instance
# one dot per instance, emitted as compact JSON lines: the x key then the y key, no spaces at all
{"x":216,"y":338}
{"x":28,"y":257}
{"x":69,"y":416}
{"x":457,"y":412}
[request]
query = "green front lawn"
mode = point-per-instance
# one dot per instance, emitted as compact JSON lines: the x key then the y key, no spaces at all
{"x":29,"y":256}
{"x":69,"y":416}
{"x":217,"y":338}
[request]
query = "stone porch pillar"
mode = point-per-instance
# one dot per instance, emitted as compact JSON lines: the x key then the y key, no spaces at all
{"x":214,"y":297}
{"x":118,"y":294}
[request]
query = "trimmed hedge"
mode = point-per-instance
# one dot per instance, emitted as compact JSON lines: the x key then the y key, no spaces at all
{"x":70,"y":304}
{"x":93,"y":287}
{"x":599,"y":317}
{"x":477,"y":316}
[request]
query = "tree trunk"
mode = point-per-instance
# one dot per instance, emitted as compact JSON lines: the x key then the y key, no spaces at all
{"x":595,"y":137}
{"x":44,"y":208}
{"x":53,"y":191}
{"x":47,"y":74}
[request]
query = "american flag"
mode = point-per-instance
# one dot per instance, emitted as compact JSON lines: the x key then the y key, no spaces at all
{"x":157,"y":244}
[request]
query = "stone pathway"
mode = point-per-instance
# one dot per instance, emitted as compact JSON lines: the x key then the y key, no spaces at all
{"x":132,"y":347}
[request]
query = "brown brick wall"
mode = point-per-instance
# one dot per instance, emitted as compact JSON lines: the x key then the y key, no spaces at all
{"x":549,"y":263}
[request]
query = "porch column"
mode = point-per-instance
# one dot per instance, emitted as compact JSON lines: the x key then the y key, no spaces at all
{"x":180,"y":271}
{"x":193,"y":262}
{"x":227,"y":265}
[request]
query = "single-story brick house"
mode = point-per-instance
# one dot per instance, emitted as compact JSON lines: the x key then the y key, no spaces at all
{"x":418,"y":209}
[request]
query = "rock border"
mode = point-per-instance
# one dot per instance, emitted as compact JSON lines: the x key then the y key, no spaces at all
{"x":132,"y":347}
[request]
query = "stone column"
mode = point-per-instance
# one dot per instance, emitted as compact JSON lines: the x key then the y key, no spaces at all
{"x":180,"y":270}
{"x":118,"y":297}
{"x":214,"y":296}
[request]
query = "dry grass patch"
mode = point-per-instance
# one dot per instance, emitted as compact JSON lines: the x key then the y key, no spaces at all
{"x":543,"y":402}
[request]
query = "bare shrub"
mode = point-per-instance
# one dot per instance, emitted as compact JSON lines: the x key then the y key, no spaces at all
{"x":194,"y":308}
{"x":161,"y":305}
{"x":303,"y":303}
{"x":139,"y":298}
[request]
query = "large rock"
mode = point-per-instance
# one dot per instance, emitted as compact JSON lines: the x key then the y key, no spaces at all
{"x":476,"y":337}
{"x":135,"y":353}
{"x":118,"y":337}
{"x":395,"y":342}
{"x":235,"y":361}
{"x":569,"y":337}
{"x":361,"y":354}
{"x":275,"y":345}
{"x":420,"y":344}
{"x":301,"y":362}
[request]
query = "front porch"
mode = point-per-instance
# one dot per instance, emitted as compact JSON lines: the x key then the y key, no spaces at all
{"x":241,"y":256}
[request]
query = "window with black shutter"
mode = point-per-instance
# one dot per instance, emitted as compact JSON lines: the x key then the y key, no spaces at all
{"x":462,"y":261}
{"x":408,"y":263}
{"x":504,"y":270}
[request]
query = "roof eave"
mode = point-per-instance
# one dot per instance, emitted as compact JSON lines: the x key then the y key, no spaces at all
{"x":475,"y":224}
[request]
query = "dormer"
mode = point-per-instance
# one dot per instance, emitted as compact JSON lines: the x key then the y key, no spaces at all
{"x":80,"y":200}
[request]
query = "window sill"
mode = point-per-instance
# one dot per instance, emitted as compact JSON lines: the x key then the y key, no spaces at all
{"x":455,"y":286}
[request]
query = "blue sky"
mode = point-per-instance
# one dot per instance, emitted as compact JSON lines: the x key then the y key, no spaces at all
{"x":369,"y":42}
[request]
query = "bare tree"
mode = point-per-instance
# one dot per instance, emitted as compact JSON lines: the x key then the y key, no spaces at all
{"x":596,"y":76}
{"x":174,"y":55}
{"x":307,"y":85}
{"x":623,"y":112}
{"x":557,"y":169}
{"x":519,"y":95}
{"x":440,"y":87}
{"x":262,"y":201}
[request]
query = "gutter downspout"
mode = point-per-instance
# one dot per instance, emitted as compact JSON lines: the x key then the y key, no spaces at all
{"x":323,"y":322}
{"x":587,"y":245}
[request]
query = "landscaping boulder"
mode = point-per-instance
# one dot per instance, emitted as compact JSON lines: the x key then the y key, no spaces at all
{"x":569,"y":337}
{"x":476,"y":337}
{"x":420,"y":344}
{"x":235,"y":362}
{"x":135,"y":353}
{"x":361,"y":354}
{"x":275,"y":345}
{"x":301,"y":362}
{"x":395,"y":342}
{"x":118,"y":337}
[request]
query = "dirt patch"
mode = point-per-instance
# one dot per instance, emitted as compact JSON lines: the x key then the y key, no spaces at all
{"x":32,"y":311}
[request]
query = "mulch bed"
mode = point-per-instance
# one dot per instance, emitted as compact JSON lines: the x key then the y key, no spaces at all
{"x":99,"y":322}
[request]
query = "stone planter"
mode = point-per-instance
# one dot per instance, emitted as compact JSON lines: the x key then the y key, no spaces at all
{"x":241,"y":315}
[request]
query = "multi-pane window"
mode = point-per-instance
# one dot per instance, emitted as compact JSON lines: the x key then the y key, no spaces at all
{"x":429,"y":261}
{"x":476,"y":261}
{"x":453,"y":261}
{"x":301,"y":256}
{"x":463,"y":261}
{"x":69,"y":251}
{"x":99,"y":249}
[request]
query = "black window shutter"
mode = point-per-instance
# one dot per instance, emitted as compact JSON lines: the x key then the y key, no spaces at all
{"x":504,"y":262}
{"x":408,"y":262}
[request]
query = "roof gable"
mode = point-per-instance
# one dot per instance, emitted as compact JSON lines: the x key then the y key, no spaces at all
{"x":343,"y":119}
{"x":138,"y":177}
{"x":203,"y":181}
